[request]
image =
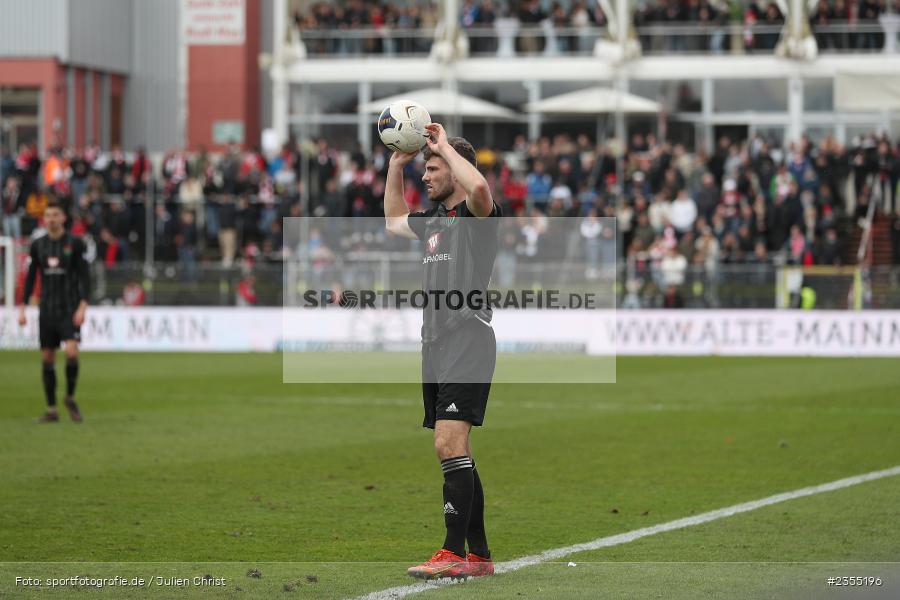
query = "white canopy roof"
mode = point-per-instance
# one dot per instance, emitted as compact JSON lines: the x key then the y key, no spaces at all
{"x":593,"y":101}
{"x":443,"y":102}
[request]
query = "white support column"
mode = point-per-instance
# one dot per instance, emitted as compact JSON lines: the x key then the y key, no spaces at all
{"x":450,"y":43}
{"x":364,"y":123}
{"x":450,"y":85}
{"x":279,"y":28}
{"x":620,"y":84}
{"x":840,"y":132}
{"x":623,"y":21}
{"x":797,"y":18}
{"x":534,"y":119}
{"x":795,"y":108}
{"x":280,"y":86}
{"x":280,"y":102}
{"x":451,"y":19}
{"x":890,"y":22}
{"x":707,"y":96}
{"x":797,"y":41}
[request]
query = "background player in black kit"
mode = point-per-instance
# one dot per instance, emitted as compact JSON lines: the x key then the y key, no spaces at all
{"x":458,"y":346}
{"x":59,"y":257}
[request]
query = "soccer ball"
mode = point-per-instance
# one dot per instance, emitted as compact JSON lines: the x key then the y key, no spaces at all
{"x":401,"y":126}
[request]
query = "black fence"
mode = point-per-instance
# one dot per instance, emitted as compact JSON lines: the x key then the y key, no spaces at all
{"x":725,"y":286}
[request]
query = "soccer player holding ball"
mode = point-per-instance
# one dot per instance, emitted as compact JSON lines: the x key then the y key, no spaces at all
{"x":459,"y":233}
{"x":59,"y":257}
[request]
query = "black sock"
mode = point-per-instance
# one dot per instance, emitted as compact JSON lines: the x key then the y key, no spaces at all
{"x":71,"y":376}
{"x":475,"y":536}
{"x":458,"y":491}
{"x":49,"y":377}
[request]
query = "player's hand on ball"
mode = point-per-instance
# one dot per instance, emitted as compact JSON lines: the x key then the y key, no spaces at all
{"x":402,"y":159}
{"x":437,"y":140}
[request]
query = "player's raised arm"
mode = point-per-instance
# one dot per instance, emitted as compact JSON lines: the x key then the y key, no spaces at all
{"x":33,"y":267}
{"x":478,"y":193}
{"x":396,"y":212}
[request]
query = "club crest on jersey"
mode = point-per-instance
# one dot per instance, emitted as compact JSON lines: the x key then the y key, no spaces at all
{"x":450,"y":219}
{"x":432,"y":244}
{"x":67,"y":250}
{"x":52,"y":262}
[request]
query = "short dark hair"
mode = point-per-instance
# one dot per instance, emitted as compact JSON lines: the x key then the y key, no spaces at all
{"x":462,"y":147}
{"x":53,"y":203}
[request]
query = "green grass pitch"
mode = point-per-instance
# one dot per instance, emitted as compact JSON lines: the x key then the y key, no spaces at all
{"x":196,"y":464}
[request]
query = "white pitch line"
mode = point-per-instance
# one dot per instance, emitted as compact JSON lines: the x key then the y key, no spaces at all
{"x":630,"y":536}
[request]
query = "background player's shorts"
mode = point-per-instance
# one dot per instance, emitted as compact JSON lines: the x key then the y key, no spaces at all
{"x":56,"y":329}
{"x":457,"y":372}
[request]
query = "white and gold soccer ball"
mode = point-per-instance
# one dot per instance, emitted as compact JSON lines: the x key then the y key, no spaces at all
{"x":401,"y":126}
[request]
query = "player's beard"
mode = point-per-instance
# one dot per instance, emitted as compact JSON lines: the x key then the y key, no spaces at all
{"x":440,"y":193}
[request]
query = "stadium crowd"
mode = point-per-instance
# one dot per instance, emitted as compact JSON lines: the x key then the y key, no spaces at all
{"x":573,"y":26}
{"x":746,"y":203}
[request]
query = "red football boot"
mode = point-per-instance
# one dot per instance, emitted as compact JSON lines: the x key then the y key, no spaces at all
{"x":478,"y":566}
{"x":48,"y":417}
{"x":74,"y":413}
{"x":443,"y":564}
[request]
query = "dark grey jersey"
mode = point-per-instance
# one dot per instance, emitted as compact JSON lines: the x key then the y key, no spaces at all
{"x":457,"y":262}
{"x":65,"y":278}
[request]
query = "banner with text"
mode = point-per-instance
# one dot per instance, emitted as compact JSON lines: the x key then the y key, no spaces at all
{"x":639,"y":332}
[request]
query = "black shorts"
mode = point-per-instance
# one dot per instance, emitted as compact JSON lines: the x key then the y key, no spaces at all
{"x":457,"y":372}
{"x":56,"y":329}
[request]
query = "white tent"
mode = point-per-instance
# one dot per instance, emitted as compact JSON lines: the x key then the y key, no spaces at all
{"x":593,"y":101}
{"x":866,"y":92}
{"x":446,"y":103}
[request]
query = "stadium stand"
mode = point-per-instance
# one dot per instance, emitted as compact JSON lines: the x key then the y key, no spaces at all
{"x":747,"y":204}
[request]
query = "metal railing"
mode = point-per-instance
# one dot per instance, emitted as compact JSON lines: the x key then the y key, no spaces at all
{"x":550,"y":40}
{"x":725,"y":286}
